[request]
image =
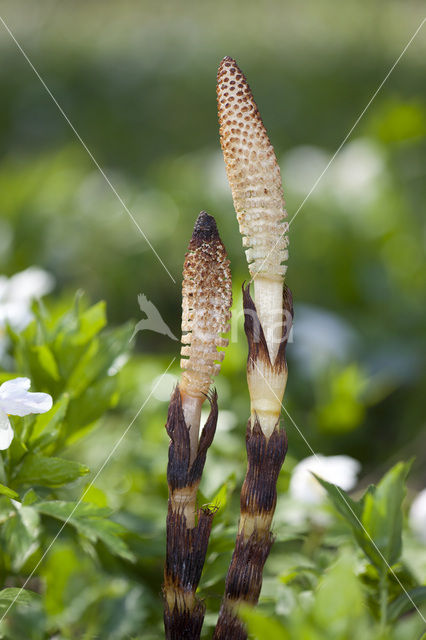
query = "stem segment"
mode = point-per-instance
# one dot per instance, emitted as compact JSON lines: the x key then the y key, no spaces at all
{"x":266,"y":450}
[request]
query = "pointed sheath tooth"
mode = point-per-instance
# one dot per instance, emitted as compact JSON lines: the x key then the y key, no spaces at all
{"x":253,"y":173}
{"x":206,"y":304}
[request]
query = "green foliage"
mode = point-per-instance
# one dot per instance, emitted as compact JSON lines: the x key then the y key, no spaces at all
{"x":68,"y":355}
{"x":21,"y":596}
{"x":47,"y":471}
{"x":335,"y":611}
{"x":90,"y":521}
{"x":376,"y":519}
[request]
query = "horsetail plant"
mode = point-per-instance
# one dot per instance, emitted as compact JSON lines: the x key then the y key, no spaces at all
{"x":255,"y":181}
{"x":206,"y":303}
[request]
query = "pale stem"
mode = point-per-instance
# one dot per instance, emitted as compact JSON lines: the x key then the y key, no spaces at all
{"x":191,"y":406}
{"x":268,"y":297}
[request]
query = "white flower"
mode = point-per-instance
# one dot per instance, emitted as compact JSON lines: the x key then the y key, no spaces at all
{"x":15,"y":399}
{"x":340,"y":470}
{"x":417,"y":516}
{"x":17,"y":292}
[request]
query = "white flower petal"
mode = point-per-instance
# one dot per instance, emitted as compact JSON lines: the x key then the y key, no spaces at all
{"x":16,"y":400}
{"x":3,"y":287}
{"x":417,"y":516}
{"x":340,"y":470}
{"x":17,"y":314}
{"x":11,"y":387}
{"x":29,"y":284}
{"x":6,"y":431}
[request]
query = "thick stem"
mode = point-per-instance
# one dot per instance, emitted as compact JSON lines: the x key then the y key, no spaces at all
{"x":266,"y":446}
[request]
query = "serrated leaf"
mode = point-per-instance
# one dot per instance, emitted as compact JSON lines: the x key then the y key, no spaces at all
{"x":19,"y":596}
{"x":75,"y":510}
{"x":48,"y":471}
{"x":90,"y":521}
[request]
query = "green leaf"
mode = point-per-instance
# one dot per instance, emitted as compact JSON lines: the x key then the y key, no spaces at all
{"x":49,"y":423}
{"x":376,"y":519}
{"x":382,"y":515}
{"x":91,"y":405}
{"x":47,"y":360}
{"x":351,"y":511}
{"x":90,"y":323}
{"x":262,"y":627}
{"x":403,"y":603}
{"x":14,"y":595}
{"x":48,"y":471}
{"x":5,"y":491}
{"x":348,"y":508}
{"x":98,"y":357}
{"x":30,"y":497}
{"x":94,"y":496}
{"x":20,"y":536}
{"x":90,"y":521}
{"x":220,"y":500}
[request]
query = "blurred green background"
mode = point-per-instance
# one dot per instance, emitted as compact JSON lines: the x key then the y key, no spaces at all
{"x":137,"y":81}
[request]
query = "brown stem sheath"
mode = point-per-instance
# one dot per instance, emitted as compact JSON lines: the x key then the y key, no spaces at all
{"x":186,"y":544}
{"x":265,"y":457}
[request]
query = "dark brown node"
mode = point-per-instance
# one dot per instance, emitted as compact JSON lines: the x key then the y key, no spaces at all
{"x":229,"y":626}
{"x":184,"y":624}
{"x":179,"y":473}
{"x":243,"y":583}
{"x":186,"y":550}
{"x":265,"y":457}
{"x":258,"y":348}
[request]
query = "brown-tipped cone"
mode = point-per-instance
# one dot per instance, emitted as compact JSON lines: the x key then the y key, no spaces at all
{"x":253,"y":174}
{"x":206,"y":303}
